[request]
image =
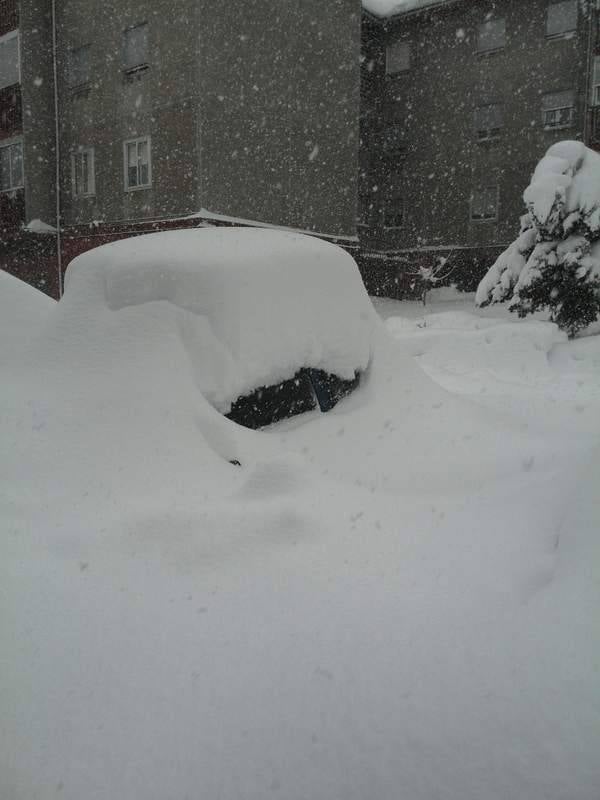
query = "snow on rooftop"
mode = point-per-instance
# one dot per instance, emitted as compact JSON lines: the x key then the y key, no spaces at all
{"x":39,"y":226}
{"x":389,"y":8}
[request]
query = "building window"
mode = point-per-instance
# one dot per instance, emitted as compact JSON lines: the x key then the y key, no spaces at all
{"x":11,"y":167}
{"x":596,"y":82}
{"x":393,"y":213}
{"x":562,"y":18}
{"x":558,"y":109}
{"x":484,"y":203}
{"x":9,"y":60}
{"x":394,"y":140}
{"x":488,"y":121}
{"x":83,"y":172}
{"x":80,"y":66}
{"x":138,"y":167}
{"x":397,"y":57}
{"x":366,"y":207}
{"x":491,"y":35}
{"x":135,"y":48}
{"x":393,"y":202}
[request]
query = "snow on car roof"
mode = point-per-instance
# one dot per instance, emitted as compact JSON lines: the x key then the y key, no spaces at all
{"x":251,"y":306}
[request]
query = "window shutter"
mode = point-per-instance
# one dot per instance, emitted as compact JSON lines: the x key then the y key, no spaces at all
{"x":135,"y":47}
{"x":79,"y":66}
{"x":562,"y":17}
{"x":484,"y":203}
{"x":491,"y":35}
{"x":558,"y":100}
{"x":397,"y":57}
{"x":488,"y":118}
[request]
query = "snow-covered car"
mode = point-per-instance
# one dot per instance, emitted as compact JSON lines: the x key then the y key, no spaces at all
{"x":273,"y":323}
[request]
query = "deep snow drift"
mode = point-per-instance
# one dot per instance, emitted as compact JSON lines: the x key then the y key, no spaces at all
{"x":22,"y":311}
{"x":396,"y":599}
{"x":251,"y":307}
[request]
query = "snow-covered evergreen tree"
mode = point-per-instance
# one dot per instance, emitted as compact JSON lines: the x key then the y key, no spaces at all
{"x":554,"y":263}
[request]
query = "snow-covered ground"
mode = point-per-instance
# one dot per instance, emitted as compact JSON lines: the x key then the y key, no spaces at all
{"x":398,"y":599}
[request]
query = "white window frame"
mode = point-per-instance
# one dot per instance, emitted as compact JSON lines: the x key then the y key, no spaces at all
{"x":494,"y":186}
{"x":569,"y":31}
{"x":595,"y":99}
{"x":548,"y":126}
{"x":78,"y":154}
{"x":9,"y":144}
{"x":137,"y":141}
{"x":6,"y":38}
{"x":554,"y":109}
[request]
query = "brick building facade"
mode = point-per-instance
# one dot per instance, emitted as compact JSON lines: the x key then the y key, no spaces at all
{"x":459,"y":101}
{"x":167,"y":109}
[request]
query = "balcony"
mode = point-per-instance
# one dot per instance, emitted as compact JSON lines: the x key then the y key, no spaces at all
{"x":9,"y":16}
{"x":11,"y":112}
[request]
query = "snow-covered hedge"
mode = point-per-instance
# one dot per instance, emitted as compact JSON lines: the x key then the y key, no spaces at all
{"x":555,"y":261}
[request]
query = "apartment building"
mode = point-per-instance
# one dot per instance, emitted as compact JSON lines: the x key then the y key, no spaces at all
{"x":170,"y":114}
{"x":459,"y":101}
{"x":28,"y":174}
{"x":12,"y":197}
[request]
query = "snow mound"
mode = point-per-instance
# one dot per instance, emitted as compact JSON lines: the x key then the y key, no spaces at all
{"x":251,"y":307}
{"x":359,"y":609}
{"x":464,"y":355}
{"x":23,"y":309}
{"x":39,"y":226}
{"x":565,"y":182}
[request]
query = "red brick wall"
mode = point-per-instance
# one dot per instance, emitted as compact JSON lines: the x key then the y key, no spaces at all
{"x":32,"y":258}
{"x":12,"y":212}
